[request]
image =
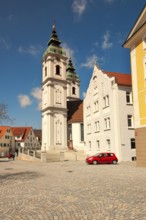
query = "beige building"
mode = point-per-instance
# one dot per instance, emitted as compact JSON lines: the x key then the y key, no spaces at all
{"x":25,"y":138}
{"x":7,"y":141}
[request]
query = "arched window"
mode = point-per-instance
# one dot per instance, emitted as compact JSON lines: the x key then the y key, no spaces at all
{"x":57,"y":70}
{"x":45,"y":71}
{"x":73,"y":90}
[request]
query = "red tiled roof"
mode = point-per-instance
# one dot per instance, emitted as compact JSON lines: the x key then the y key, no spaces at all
{"x":3,"y":130}
{"x":21,"y":131}
{"x":121,"y":78}
{"x":75,"y":111}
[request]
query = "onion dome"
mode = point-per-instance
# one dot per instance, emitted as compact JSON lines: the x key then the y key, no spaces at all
{"x":54,"y":44}
{"x":70,"y":71}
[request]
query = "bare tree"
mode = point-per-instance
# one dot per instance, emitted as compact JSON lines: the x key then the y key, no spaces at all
{"x":4,"y":117}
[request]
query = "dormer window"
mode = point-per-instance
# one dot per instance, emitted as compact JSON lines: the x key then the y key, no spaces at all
{"x":57,"y":70}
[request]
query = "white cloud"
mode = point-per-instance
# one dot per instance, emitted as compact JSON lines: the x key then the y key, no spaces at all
{"x":5,"y":43}
{"x":32,"y":50}
{"x":106,"y":44}
{"x":90,"y":61}
{"x":69,"y":51}
{"x":37,"y":94}
{"x":24,"y":101}
{"x":79,"y":6}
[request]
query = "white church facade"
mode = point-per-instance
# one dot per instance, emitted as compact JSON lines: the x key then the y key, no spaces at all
{"x":60,"y":84}
{"x":108,"y":115}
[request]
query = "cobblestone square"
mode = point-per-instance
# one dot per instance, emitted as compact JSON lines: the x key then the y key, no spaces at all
{"x":71,"y":191}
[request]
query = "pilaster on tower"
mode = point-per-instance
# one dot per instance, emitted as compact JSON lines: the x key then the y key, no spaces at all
{"x":54,"y":95}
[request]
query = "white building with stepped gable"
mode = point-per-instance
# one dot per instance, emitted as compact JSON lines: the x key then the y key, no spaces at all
{"x":108,"y":115}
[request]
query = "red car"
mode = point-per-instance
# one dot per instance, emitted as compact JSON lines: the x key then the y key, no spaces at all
{"x":102,"y":158}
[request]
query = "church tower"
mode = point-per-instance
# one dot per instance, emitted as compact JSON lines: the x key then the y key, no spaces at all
{"x":73,"y":82}
{"x":54,"y":96}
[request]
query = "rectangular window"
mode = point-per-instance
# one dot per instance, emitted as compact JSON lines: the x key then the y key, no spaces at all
{"x":98,"y":144}
{"x":106,"y":101}
{"x":108,"y":142}
{"x":97,"y":126}
{"x":107,"y":123}
{"x":82,"y":132}
{"x":128,"y":98}
{"x":133,"y":146}
{"x":88,"y":110}
{"x":130,"y":121}
{"x":96,"y":106}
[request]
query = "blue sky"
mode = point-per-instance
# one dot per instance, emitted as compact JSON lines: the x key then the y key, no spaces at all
{"x":89,"y":30}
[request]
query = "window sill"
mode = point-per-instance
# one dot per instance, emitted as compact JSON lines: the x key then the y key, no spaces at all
{"x":130,"y":128}
{"x":129,"y":104}
{"x":107,"y":129}
{"x":96,"y":111}
{"x":106,"y":107}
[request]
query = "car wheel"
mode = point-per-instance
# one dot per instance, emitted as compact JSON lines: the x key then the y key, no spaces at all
{"x":95,"y":162}
{"x":114,"y":162}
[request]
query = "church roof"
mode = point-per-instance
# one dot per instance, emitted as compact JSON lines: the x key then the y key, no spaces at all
{"x":54,"y":40}
{"x":120,"y":78}
{"x":70,"y":71}
{"x":75,"y":111}
{"x":54,"y":44}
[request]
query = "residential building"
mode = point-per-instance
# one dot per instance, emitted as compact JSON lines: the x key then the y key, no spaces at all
{"x":60,"y":84}
{"x":25,"y":138}
{"x":7,"y":141}
{"x":136,"y":42}
{"x":75,"y":135}
{"x":108,"y":115}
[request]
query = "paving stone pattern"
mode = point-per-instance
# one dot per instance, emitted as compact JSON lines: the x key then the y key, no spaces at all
{"x":71,"y":191}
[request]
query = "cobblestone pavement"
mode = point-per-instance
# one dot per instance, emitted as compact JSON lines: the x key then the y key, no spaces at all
{"x":71,"y":191}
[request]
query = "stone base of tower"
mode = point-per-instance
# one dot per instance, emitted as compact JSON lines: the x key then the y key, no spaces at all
{"x":62,"y":155}
{"x":53,"y":148}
